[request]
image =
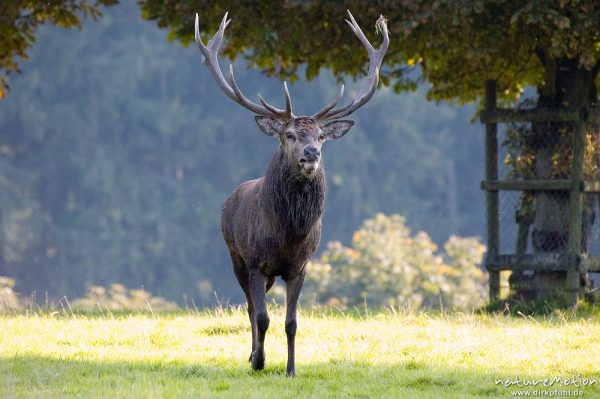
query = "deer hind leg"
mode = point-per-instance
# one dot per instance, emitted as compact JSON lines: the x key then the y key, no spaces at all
{"x":258,"y":284}
{"x":241,"y":273}
{"x":294,"y":286}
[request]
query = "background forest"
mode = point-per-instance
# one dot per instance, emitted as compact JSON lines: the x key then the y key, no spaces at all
{"x":117,"y":151}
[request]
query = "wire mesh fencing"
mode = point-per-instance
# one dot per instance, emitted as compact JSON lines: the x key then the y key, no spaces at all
{"x":543,"y":181}
{"x":537,"y":220}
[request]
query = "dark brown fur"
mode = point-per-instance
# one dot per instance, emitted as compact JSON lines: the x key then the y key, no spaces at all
{"x":272,"y":226}
{"x":274,"y":223}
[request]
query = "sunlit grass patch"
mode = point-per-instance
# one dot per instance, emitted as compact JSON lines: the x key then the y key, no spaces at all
{"x":359,"y":354}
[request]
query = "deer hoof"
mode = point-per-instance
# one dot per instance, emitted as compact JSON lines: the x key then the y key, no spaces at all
{"x":258,"y":361}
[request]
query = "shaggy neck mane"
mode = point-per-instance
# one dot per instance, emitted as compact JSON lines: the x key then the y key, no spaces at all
{"x":297,"y":202}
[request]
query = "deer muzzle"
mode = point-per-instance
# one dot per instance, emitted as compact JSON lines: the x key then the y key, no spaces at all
{"x":310,"y":161}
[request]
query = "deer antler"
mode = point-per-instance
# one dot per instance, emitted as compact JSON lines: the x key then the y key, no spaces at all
{"x":370,"y":84}
{"x":231,"y":89}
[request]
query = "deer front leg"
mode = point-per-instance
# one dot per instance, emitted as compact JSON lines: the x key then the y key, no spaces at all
{"x":294,"y":286}
{"x":261,"y":321}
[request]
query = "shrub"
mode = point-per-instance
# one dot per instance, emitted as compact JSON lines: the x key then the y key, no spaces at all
{"x":9,"y":301}
{"x":386,"y":265}
{"x":119,"y":297}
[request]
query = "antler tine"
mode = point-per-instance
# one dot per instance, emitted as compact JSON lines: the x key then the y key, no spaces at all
{"x":216,"y":40}
{"x":288,"y":101}
{"x":231,"y":89}
{"x":210,"y":56}
{"x":242,"y":100}
{"x":330,"y":106}
{"x":288,"y":104}
{"x":370,"y":84}
{"x":271,"y":108}
{"x":359,"y":33}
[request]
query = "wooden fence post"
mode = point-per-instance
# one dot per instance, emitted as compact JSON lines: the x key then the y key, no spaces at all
{"x":491,"y":174}
{"x":576,"y":212}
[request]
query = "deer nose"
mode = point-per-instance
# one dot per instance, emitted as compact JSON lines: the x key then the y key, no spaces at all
{"x":312,"y":154}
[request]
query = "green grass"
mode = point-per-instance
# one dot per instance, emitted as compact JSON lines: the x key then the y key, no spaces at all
{"x":204,"y":355}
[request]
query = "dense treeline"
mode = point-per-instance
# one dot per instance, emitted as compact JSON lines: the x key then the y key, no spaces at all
{"x":117,"y":150}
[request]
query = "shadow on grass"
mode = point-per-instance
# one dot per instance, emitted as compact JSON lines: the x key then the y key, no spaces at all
{"x":225,"y":329}
{"x":515,"y":306}
{"x":27,"y":376}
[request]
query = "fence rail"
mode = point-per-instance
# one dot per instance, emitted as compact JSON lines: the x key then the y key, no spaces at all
{"x":588,"y":186}
{"x":542,"y":262}
{"x":571,"y":259}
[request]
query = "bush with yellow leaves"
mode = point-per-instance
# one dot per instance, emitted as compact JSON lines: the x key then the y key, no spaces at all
{"x":9,"y":301}
{"x":387,"y":266}
{"x":119,"y":297}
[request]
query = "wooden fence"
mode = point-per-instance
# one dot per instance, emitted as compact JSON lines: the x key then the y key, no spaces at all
{"x":573,"y":260}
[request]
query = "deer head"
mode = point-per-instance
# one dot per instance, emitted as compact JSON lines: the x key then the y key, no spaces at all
{"x":301,"y":137}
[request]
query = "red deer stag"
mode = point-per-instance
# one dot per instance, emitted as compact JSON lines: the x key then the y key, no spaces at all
{"x":272,"y":225}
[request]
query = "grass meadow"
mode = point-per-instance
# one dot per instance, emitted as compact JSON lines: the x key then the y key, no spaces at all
{"x":358,"y":354}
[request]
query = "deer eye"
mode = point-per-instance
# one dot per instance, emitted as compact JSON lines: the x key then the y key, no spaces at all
{"x":322,"y":137}
{"x":290,"y":136}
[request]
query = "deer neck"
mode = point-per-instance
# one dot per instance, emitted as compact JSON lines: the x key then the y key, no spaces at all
{"x":296,"y":201}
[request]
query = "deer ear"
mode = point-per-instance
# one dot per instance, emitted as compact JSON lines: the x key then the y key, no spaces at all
{"x":268,"y":125}
{"x":336,"y":129}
